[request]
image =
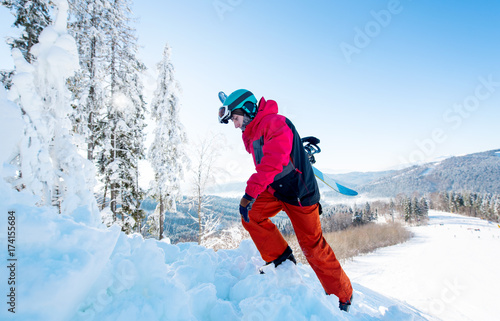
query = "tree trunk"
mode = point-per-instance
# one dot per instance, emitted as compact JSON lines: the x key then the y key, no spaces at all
{"x":90,"y":144}
{"x":103,"y":206}
{"x":200,"y":228}
{"x":162,"y":207}
{"x":113,"y":185}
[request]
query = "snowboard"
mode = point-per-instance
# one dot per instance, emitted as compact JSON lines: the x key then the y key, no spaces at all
{"x":333,"y":184}
{"x":311,"y":147}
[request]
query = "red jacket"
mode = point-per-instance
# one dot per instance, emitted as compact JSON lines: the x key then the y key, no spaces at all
{"x":281,"y":163}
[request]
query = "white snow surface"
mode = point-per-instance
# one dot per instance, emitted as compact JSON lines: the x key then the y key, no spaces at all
{"x":448,"y":270}
{"x":70,"y":271}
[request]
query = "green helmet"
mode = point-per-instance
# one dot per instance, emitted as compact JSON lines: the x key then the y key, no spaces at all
{"x":240,"y":98}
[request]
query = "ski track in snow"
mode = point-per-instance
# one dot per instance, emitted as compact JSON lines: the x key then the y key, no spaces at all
{"x":69,"y":271}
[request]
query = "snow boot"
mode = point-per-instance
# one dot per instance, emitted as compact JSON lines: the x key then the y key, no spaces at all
{"x":287,"y":255}
{"x":345,"y":306}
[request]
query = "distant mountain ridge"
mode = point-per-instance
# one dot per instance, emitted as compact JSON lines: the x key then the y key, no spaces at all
{"x":478,"y":172}
{"x":354,"y":179}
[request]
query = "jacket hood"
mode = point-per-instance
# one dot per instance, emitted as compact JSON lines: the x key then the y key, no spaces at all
{"x":266,"y":107}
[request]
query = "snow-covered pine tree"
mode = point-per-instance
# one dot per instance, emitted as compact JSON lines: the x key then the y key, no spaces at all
{"x":123,"y":139}
{"x":32,"y":16}
{"x":49,"y":161}
{"x":415,"y":208}
{"x":6,"y":78}
{"x":476,"y":204}
{"x":367,"y":213}
{"x":166,"y":154}
{"x":424,"y":208}
{"x":496,"y":209}
{"x":485,"y":206}
{"x":88,"y":26}
{"x":407,"y":208}
{"x":468,"y":203}
{"x":458,"y":202}
{"x":392,"y":209}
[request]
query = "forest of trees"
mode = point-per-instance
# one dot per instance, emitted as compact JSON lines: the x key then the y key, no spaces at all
{"x":482,"y":205}
{"x":415,"y":209}
{"x":412,"y":210}
{"x":340,"y":217}
{"x":101,"y":107}
{"x":94,"y":102}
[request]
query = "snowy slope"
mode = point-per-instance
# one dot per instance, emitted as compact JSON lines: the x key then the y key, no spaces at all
{"x":448,"y":270}
{"x":69,"y":271}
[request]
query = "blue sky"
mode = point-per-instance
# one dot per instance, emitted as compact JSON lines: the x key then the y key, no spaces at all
{"x":380,"y":83}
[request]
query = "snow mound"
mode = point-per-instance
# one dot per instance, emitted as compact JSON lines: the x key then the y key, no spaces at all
{"x":69,"y":271}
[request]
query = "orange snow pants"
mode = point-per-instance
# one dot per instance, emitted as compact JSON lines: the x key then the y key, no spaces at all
{"x":307,"y":226}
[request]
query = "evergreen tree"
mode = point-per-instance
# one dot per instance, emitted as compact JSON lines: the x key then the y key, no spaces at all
{"x":458,"y":201}
{"x":446,"y":202}
{"x":357,"y":216}
{"x":122,"y":137}
{"x":367,"y":213}
{"x":424,"y":207}
{"x":485,"y":206}
{"x":166,"y":154}
{"x":49,"y":162}
{"x":497,"y":208}
{"x":6,"y":78}
{"x":468,"y":203}
{"x":415,"y":208}
{"x":88,"y":26}
{"x":408,"y":209}
{"x":32,"y":16}
{"x":392,"y":207}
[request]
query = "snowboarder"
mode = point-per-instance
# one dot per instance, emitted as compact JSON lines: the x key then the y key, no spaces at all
{"x":284,"y":180}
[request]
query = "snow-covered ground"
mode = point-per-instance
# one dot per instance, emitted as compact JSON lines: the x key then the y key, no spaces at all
{"x":68,"y":271}
{"x":62,"y":269}
{"x":449,"y":270}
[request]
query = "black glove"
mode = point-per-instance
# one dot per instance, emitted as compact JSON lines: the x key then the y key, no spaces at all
{"x":245,"y":206}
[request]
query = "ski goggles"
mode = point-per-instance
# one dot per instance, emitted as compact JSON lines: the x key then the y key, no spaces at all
{"x":224,"y":115}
